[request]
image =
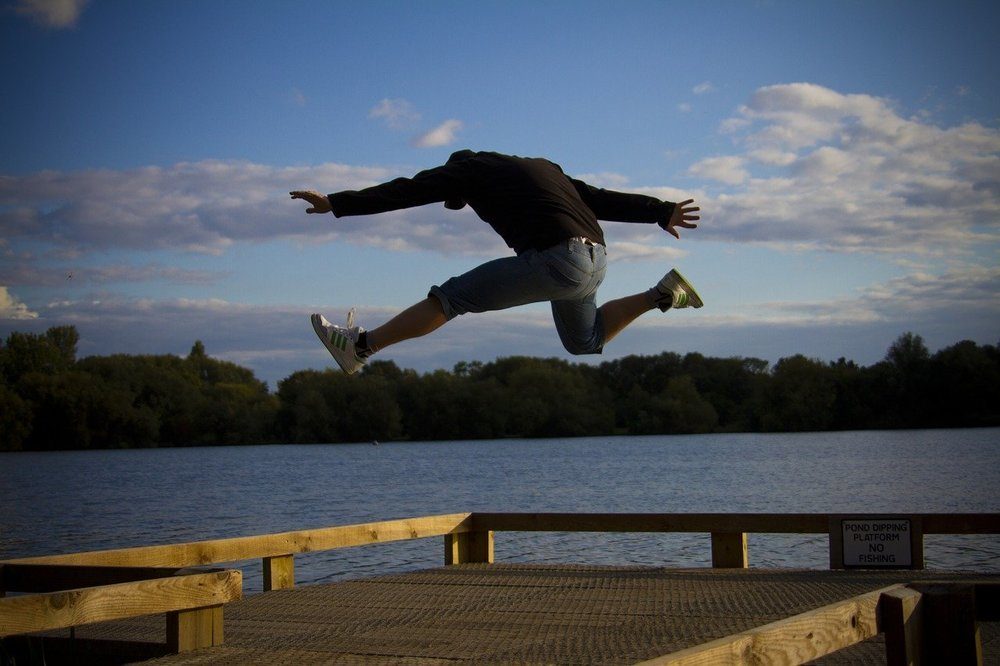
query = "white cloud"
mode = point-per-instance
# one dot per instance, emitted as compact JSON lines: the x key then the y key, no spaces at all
{"x":703,"y":87}
{"x":607,"y":179}
{"x":727,"y":169}
{"x":199,"y":206}
{"x":684,"y":107}
{"x":12,"y":308}
{"x":847,"y":172}
{"x":396,"y":113}
{"x":630,"y":251}
{"x":442,"y":135}
{"x":52,"y":13}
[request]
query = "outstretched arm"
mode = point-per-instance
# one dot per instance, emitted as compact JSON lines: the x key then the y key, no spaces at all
{"x":319,"y":202}
{"x":682,"y":216}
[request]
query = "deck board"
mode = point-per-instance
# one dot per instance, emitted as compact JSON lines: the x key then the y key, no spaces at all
{"x":518,"y":613}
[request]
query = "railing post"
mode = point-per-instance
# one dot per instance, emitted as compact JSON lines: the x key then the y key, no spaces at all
{"x":193,"y":629}
{"x":900,"y":616}
{"x":279,"y":572}
{"x":729,"y":550}
{"x":468,"y":547}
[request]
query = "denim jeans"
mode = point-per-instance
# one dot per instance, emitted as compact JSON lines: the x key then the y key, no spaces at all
{"x":566,"y":274}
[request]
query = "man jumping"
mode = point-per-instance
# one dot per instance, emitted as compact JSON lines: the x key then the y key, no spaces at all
{"x":547,"y":218}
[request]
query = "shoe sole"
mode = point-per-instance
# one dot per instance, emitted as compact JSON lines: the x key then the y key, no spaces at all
{"x":334,"y":350}
{"x":694,"y":300}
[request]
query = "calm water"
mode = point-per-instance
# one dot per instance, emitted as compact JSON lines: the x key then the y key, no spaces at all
{"x":74,"y":501}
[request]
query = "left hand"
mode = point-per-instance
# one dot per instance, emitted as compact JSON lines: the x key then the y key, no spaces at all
{"x":682,"y":216}
{"x":319,"y":203}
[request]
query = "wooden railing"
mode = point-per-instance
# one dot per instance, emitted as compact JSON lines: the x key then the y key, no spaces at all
{"x":108,"y":584}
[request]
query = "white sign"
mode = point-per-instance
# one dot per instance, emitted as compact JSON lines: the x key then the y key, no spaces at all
{"x":876,"y":542}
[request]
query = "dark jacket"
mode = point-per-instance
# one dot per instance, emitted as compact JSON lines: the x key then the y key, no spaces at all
{"x":529,"y":201}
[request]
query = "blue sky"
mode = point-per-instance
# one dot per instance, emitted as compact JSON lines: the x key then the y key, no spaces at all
{"x":846,"y":156}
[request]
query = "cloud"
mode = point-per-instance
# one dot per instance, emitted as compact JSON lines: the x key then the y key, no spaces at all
{"x":11,"y":308}
{"x":820,"y":169}
{"x":629,"y":251}
{"x":727,"y":170}
{"x":703,"y":87}
{"x":52,"y":13}
{"x":442,"y":135}
{"x":396,"y":113}
{"x":198,"y":206}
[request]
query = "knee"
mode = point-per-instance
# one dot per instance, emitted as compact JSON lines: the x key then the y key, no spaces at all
{"x":582,"y":348}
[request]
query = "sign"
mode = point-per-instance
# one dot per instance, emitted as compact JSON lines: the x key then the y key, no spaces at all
{"x":871,"y":543}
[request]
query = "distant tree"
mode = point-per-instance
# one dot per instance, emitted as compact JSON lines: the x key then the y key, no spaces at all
{"x":52,"y":352}
{"x":799,"y":397}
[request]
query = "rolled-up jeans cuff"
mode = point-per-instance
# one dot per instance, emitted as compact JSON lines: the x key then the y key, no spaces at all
{"x":446,"y":306}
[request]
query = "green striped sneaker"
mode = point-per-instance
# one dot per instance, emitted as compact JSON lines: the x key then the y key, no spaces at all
{"x":339,"y":341}
{"x":673,"y":291}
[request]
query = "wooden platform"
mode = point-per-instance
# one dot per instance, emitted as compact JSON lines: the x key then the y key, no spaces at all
{"x":513,"y":613}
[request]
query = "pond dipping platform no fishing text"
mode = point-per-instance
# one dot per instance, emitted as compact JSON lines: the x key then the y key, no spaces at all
{"x":876,"y":603}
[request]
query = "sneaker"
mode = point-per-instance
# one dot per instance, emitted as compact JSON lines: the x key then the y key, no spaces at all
{"x":339,"y":341}
{"x":673,"y":291}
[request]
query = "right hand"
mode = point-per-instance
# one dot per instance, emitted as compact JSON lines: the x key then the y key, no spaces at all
{"x":319,"y":202}
{"x":682,"y":217}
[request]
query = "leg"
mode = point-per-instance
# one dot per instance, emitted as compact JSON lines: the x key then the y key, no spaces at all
{"x":672,"y":292}
{"x":621,"y":312}
{"x":415,"y":321}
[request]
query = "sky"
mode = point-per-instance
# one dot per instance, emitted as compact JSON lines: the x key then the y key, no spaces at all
{"x":846,"y":157}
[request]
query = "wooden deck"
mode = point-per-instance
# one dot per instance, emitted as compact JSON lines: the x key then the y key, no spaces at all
{"x":513,"y":613}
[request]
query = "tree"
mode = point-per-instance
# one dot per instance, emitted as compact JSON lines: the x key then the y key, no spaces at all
{"x":799,"y":397}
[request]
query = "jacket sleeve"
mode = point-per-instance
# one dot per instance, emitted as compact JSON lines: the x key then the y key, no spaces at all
{"x":623,"y":207}
{"x":430,"y":186}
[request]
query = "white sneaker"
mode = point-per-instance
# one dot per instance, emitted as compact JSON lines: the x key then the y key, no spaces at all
{"x":673,"y":291}
{"x":340,"y":341}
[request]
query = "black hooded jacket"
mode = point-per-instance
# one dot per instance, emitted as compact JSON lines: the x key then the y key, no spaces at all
{"x":529,"y":201}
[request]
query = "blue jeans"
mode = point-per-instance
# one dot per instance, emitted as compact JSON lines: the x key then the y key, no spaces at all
{"x":566,"y":274}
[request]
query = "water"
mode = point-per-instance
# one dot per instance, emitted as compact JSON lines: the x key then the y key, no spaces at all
{"x":88,"y":500}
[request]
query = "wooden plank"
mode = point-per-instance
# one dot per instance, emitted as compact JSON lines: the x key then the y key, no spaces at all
{"x":652,"y":522}
{"x":960,"y":523}
{"x":901,"y":619}
{"x":729,"y":550}
{"x":279,"y":572}
{"x":794,"y":640}
{"x":194,"y":629}
{"x":56,"y":610}
{"x":267,"y":545}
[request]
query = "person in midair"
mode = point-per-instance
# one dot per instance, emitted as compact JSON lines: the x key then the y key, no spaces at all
{"x":549,"y":220}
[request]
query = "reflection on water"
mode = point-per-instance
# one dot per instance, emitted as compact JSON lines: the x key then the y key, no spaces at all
{"x":74,"y":501}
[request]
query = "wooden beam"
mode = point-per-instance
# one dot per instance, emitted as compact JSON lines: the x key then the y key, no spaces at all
{"x":652,"y":522}
{"x":279,"y":572}
{"x":900,"y":617}
{"x":57,"y":610}
{"x":729,"y":550}
{"x":468,"y":547}
{"x":267,"y":545}
{"x":194,"y":629}
{"x":794,"y":640}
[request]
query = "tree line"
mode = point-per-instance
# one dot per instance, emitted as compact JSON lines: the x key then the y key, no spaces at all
{"x":49,"y":399}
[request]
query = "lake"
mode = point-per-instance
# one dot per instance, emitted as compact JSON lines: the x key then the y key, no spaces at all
{"x":87,"y":500}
